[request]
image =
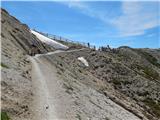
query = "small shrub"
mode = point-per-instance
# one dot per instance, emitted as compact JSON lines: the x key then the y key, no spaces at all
{"x":126,"y":82}
{"x":102,"y":66}
{"x":80,"y":71}
{"x":4,"y":66}
{"x":119,"y":82}
{"x":116,"y":82}
{"x":2,"y":35}
{"x":155,"y":107}
{"x":78,"y":117}
{"x":4,"y":116}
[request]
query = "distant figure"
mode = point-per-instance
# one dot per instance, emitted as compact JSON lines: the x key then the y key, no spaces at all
{"x":88,"y":45}
{"x":108,"y":47}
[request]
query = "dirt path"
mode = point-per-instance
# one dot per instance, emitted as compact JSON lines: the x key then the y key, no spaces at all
{"x":44,"y":109}
{"x":46,"y":88}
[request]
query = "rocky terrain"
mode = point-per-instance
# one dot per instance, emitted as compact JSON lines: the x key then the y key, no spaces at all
{"x":16,"y":86}
{"x":123,"y":84}
{"x":111,"y":75}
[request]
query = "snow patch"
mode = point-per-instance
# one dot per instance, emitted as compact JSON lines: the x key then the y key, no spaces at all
{"x":84,"y":61}
{"x":49,"y":41}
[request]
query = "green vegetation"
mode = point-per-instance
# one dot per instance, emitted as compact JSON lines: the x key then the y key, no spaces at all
{"x":119,"y":82}
{"x":4,"y":116}
{"x":149,"y":57}
{"x":3,"y":65}
{"x":116,"y":82}
{"x":106,"y":118}
{"x":155,"y":107}
{"x":78,"y":117}
{"x":150,"y":73}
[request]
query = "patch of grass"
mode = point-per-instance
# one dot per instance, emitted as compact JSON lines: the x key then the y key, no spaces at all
{"x":149,"y":57}
{"x":151,"y":73}
{"x":119,"y":82}
{"x":116,"y":82}
{"x":155,"y":107}
{"x":3,"y":65}
{"x":78,"y":117}
{"x":4,"y":116}
{"x":106,"y":118}
{"x":126,"y":82}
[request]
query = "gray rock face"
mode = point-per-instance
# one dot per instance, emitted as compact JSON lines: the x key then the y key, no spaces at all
{"x":20,"y":34}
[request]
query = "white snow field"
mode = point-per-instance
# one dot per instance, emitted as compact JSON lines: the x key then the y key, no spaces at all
{"x":49,"y":41}
{"x":84,"y":61}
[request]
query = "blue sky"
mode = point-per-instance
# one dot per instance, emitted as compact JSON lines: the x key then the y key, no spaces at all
{"x":117,"y":23}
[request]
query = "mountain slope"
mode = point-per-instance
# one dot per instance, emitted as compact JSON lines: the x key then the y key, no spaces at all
{"x":120,"y":84}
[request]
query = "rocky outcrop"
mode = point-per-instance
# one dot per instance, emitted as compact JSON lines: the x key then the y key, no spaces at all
{"x":20,"y":35}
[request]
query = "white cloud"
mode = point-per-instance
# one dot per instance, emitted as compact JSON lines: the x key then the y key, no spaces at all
{"x":77,"y":4}
{"x":86,"y":9}
{"x":137,"y":17}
